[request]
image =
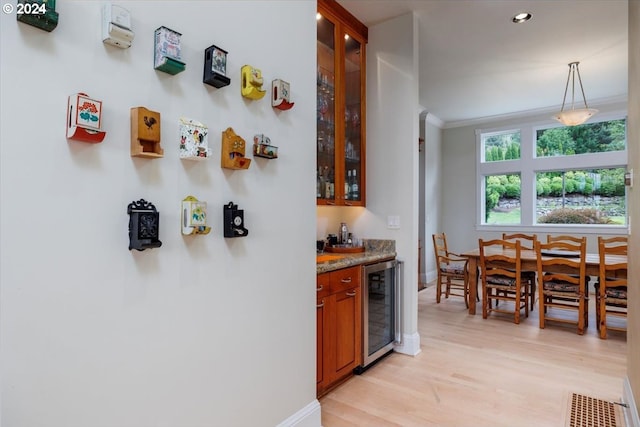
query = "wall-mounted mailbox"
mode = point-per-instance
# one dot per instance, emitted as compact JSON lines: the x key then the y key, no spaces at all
{"x":168,"y":52}
{"x":233,"y":151}
{"x":194,"y":216}
{"x":84,"y":119}
{"x":194,"y":140}
{"x":145,"y":133}
{"x":215,"y":67}
{"x":116,"y":26}
{"x":37,"y":13}
{"x":234,"y":221}
{"x":280,"y":95}
{"x":144,"y":225}
{"x":262,"y":147}
{"x":251,"y":82}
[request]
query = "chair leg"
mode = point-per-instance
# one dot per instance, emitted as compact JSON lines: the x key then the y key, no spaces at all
{"x":603,"y":318}
{"x":581,"y":311}
{"x":485,"y":301}
{"x":438,"y":289}
{"x":532,"y":294}
{"x":466,"y":292}
{"x":542,"y":309}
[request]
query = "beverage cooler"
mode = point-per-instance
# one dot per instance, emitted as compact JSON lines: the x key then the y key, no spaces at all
{"x":382,"y":314}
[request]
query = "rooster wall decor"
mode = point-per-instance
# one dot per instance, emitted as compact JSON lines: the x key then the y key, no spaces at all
{"x":145,"y":133}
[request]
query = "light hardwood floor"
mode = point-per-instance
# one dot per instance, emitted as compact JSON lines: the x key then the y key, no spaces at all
{"x":481,"y":372}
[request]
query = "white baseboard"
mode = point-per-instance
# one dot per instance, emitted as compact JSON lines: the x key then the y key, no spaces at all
{"x":631,"y":416}
{"x":429,"y":277}
{"x":309,"y":416}
{"x":410,"y":344}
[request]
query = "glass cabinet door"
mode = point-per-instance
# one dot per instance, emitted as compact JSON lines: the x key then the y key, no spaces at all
{"x":352,"y":119}
{"x":326,"y":134}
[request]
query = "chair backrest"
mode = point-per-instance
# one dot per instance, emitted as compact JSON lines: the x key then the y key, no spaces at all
{"x":527,"y":241}
{"x":440,"y":246}
{"x":500,"y":258}
{"x":564,"y":238}
{"x":552,"y":266}
{"x":608,"y":249}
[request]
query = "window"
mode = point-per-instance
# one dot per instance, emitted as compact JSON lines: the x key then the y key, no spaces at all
{"x":541,"y":176}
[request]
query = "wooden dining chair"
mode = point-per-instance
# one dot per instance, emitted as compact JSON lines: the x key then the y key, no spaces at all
{"x":562,"y":282}
{"x":453,"y":275}
{"x":527,"y":242}
{"x":501,"y":273}
{"x":611,"y":287}
{"x":564,"y":238}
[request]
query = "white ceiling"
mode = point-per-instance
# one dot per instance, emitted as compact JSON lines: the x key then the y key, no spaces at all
{"x":476,"y":64}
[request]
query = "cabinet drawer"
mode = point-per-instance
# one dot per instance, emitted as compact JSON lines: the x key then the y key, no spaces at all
{"x":323,"y":285}
{"x":346,"y":278}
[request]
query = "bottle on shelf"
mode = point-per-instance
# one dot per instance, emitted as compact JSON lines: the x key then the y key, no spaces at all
{"x":347,"y":186}
{"x":355,"y":190}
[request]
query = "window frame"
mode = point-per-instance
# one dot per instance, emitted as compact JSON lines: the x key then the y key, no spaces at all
{"x":529,"y":165}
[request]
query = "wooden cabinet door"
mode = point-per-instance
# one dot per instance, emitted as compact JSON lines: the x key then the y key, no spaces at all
{"x":347,"y":331}
{"x":341,"y":107}
{"x":339,"y":326}
{"x":322,"y":318}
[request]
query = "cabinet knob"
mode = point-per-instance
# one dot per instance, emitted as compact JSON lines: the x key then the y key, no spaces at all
{"x":351,"y":294}
{"x":347,"y":280}
{"x":319,"y":288}
{"x":320,"y":305}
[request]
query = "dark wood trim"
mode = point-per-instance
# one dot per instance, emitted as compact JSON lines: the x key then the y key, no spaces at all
{"x":333,"y":8}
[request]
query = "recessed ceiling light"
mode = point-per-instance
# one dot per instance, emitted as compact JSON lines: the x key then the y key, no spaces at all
{"x":521,"y":17}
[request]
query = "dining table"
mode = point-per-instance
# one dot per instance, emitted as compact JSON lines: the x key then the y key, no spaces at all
{"x":529,"y":262}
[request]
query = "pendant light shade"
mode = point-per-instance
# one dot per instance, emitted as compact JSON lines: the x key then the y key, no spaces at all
{"x":574,"y":116}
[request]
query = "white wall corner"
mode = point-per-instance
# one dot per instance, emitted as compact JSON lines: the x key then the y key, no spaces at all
{"x":410,"y":344}
{"x":309,"y":416}
{"x":631,"y":416}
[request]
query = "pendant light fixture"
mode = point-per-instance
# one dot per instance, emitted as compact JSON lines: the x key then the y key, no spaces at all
{"x":574,"y":116}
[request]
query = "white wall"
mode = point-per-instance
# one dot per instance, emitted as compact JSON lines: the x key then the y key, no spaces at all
{"x":392,"y":160}
{"x":204,"y":331}
{"x":459,"y":182}
{"x":632,"y":382}
{"x":433,"y":193}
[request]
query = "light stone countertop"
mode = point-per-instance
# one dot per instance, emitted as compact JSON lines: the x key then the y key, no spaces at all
{"x":375,"y":250}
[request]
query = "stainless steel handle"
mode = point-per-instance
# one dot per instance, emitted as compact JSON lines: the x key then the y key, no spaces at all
{"x":347,"y":280}
{"x":399,"y":302}
{"x":320,"y":305}
{"x":319,"y":289}
{"x":351,"y":294}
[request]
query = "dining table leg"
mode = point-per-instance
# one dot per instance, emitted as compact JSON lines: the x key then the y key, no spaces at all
{"x":473,"y":284}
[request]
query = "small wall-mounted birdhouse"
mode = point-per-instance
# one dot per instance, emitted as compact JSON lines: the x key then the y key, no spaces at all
{"x":37,"y":13}
{"x":280,"y":93}
{"x":84,"y":119}
{"x":252,"y":81}
{"x":233,"y":151}
{"x":233,"y":221}
{"x":215,"y":67}
{"x":144,"y":225}
{"x":145,"y":133}
{"x":168,"y":53}
{"x":194,"y":141}
{"x":262,"y":147}
{"x":194,"y":216}
{"x":116,"y":26}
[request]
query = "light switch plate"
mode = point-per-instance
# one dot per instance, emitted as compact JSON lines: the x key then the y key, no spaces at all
{"x":393,"y":222}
